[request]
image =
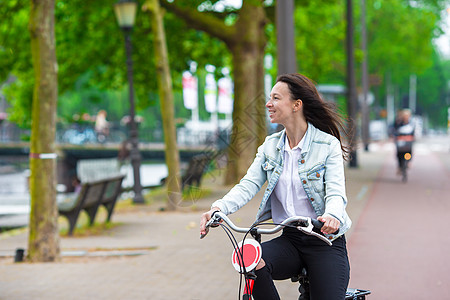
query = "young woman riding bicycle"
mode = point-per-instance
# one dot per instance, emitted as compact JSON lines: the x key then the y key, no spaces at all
{"x":303,"y":165}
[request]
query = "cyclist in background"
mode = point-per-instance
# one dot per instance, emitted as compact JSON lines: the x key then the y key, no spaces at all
{"x":403,"y":136}
{"x":101,"y":126}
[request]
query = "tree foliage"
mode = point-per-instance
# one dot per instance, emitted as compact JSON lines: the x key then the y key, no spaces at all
{"x":400,"y":38}
{"x":91,"y":58}
{"x":433,"y":92}
{"x":246,"y":40}
{"x":320,"y":38}
{"x":400,"y":44}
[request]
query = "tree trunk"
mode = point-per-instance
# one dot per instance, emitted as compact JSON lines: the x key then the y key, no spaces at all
{"x":249,"y":122}
{"x":167,"y":104}
{"x":43,"y":242}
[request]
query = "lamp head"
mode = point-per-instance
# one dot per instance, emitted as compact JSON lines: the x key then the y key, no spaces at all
{"x":125,"y":13}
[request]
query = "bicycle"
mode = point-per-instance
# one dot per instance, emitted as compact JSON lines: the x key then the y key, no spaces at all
{"x":247,"y":253}
{"x":404,"y":150}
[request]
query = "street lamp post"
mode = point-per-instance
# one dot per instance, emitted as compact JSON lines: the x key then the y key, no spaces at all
{"x":287,"y":62}
{"x":125,"y":12}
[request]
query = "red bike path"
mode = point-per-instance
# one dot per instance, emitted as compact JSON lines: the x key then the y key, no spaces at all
{"x":399,"y":248}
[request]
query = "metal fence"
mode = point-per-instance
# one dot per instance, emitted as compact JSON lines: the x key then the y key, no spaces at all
{"x":84,"y":134}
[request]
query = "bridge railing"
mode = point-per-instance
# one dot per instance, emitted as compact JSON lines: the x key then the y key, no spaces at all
{"x":83,"y":134}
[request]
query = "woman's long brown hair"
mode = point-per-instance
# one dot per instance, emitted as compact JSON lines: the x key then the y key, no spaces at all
{"x":322,"y":114}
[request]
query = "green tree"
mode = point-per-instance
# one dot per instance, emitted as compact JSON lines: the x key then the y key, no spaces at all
{"x":400,"y":44}
{"x":400,"y":38}
{"x":15,"y":60}
{"x":243,"y":33}
{"x":91,"y":53}
{"x":319,"y":39}
{"x":432,"y":92}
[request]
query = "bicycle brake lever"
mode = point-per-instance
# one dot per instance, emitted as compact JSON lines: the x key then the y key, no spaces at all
{"x":202,"y":235}
{"x":309,"y":230}
{"x":210,"y":223}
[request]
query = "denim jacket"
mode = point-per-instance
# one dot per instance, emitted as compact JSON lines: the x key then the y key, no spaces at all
{"x":321,"y":170}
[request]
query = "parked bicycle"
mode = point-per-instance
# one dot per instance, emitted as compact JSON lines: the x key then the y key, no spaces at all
{"x":247,"y":253}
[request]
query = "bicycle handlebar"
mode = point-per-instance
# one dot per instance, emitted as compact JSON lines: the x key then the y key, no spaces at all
{"x":304,"y":224}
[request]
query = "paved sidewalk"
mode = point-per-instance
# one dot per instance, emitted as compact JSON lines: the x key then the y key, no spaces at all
{"x":175,"y":263}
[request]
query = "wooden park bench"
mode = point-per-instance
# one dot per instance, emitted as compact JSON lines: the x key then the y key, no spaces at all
{"x":101,"y":184}
{"x":91,"y":196}
{"x":195,"y":170}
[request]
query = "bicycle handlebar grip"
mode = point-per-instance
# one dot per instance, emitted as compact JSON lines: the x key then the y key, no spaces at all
{"x":317,"y":224}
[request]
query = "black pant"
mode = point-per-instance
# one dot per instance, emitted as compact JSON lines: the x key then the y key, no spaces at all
{"x":328,"y":267}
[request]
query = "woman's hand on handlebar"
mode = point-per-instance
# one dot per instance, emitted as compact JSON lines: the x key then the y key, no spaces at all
{"x":205,"y":218}
{"x":331,"y":224}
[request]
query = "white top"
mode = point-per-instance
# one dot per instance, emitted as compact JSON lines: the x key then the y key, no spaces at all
{"x":289,"y":198}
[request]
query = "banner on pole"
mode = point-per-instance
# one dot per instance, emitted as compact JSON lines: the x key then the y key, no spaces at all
{"x":210,"y":93}
{"x":190,"y":90}
{"x":225,"y":105}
